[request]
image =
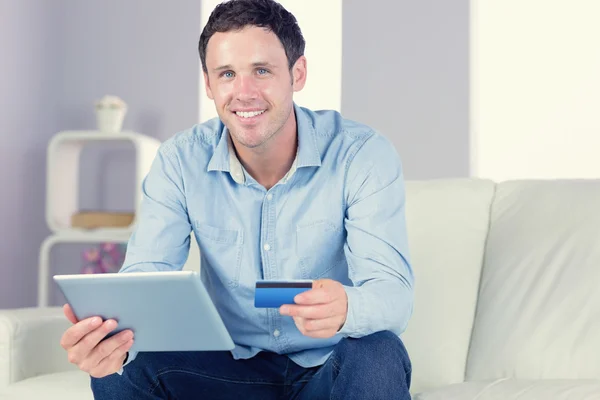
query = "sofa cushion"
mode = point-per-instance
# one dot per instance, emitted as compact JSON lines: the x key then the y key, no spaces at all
{"x":447,"y":223}
{"x":510,"y":389}
{"x":72,"y":385}
{"x":539,"y":306}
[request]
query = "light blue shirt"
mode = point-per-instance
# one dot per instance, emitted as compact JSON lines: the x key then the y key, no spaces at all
{"x":339,"y":213}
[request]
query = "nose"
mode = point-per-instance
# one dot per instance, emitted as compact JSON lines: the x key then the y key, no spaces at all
{"x":245,"y":88}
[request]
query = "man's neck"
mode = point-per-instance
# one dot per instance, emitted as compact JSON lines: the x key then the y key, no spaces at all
{"x":269,"y":163}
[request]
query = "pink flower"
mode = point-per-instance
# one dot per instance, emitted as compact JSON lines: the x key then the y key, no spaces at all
{"x":91,"y":255}
{"x":108,"y":247}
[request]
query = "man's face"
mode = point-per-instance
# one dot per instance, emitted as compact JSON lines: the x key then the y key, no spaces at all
{"x":250,"y":82}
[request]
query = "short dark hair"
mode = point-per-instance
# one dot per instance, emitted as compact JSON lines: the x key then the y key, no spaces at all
{"x":237,"y":14}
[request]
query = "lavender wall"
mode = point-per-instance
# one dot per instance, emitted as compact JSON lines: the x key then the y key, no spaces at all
{"x":29,"y":67}
{"x":406,"y":73}
{"x":143,"y":51}
{"x":57,"y":58}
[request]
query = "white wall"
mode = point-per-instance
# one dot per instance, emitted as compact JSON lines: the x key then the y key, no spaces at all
{"x":535,"y":89}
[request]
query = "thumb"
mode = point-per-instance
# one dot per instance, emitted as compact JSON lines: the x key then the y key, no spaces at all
{"x":68,"y":311}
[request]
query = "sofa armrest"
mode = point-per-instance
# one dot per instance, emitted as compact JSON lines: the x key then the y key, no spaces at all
{"x":30,"y":343}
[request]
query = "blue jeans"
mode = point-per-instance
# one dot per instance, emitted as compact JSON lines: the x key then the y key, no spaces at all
{"x":373,"y":367}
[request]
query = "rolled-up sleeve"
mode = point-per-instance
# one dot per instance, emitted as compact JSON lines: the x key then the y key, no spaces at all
{"x":161,"y":239}
{"x":376,"y":248}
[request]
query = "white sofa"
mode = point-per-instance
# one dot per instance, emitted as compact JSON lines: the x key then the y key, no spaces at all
{"x":507,"y":299}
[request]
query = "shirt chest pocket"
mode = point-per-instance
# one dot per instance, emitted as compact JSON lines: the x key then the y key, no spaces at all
{"x":221,"y":249}
{"x":320,"y":248}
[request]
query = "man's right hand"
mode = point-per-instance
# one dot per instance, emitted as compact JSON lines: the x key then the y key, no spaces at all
{"x":85,"y":347}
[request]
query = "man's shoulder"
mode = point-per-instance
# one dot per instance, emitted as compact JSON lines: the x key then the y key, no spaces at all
{"x":200,"y":138}
{"x":330,"y":127}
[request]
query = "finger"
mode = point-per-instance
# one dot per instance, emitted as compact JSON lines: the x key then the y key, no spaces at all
{"x":318,"y":295}
{"x":84,"y":347}
{"x":313,"y":325}
{"x":311,"y":312}
{"x":112,"y":363}
{"x":299,"y":324}
{"x":76,"y":332}
{"x":322,"y":333}
{"x":105,"y":348}
{"x":319,"y":283}
{"x":68,"y":311}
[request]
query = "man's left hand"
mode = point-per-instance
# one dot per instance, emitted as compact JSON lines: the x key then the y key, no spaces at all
{"x":321,"y":311}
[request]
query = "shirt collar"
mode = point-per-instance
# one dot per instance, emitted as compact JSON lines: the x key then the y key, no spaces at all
{"x":307,"y":155}
{"x":308,"y":150}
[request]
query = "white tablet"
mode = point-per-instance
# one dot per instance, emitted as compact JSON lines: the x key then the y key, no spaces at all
{"x":167,"y":311}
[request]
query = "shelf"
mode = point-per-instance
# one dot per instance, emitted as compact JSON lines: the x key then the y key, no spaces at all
{"x":73,"y":235}
{"x":63,"y":189}
{"x":63,"y":166}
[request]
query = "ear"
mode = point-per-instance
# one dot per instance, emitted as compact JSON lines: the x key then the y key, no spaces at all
{"x":299,"y":74}
{"x":207,"y":85}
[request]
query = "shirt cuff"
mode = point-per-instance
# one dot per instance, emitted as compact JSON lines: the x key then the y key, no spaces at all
{"x":130,"y":357}
{"x":352,"y":326}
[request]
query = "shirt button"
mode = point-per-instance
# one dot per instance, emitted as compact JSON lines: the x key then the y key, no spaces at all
{"x":276,"y":333}
{"x":267,"y":247}
{"x":269,"y":196}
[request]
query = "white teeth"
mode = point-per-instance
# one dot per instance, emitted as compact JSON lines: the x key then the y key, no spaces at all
{"x":249,"y":114}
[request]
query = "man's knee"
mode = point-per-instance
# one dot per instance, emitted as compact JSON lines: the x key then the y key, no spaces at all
{"x":381,"y":349}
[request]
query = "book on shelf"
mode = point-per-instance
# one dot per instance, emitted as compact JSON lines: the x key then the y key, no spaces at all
{"x":101,"y":219}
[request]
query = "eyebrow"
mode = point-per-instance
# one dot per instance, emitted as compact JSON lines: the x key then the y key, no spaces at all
{"x":255,"y":64}
{"x":263,"y":64}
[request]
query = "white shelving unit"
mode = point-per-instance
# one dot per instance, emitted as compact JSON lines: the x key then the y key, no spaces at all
{"x":64,"y":150}
{"x":62,"y":193}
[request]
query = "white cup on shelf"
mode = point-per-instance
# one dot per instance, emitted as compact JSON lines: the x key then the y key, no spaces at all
{"x":110,"y":113}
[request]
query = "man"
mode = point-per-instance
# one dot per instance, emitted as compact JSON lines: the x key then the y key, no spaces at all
{"x":272,"y":191}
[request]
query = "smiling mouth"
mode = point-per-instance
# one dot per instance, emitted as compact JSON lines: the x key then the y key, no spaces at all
{"x":249,"y":114}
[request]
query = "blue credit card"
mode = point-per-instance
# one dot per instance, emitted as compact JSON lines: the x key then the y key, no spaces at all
{"x":274,"y":294}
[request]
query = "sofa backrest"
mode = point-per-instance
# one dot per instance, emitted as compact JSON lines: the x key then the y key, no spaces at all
{"x":538,"y":314}
{"x":447,"y":222}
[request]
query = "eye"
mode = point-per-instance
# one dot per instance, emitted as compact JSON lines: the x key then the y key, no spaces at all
{"x":227,"y":74}
{"x":262,"y":71}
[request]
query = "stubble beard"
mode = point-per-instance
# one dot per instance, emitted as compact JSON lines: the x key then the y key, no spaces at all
{"x":272,"y":130}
